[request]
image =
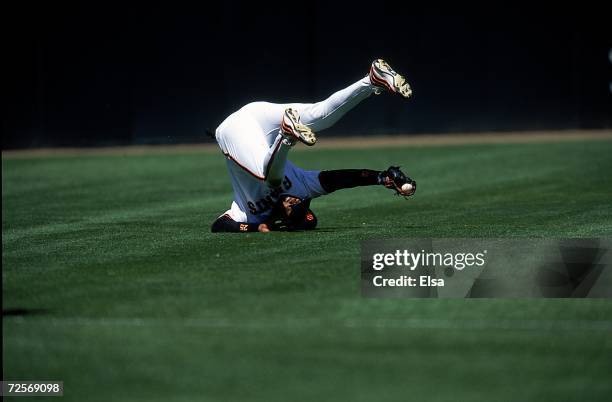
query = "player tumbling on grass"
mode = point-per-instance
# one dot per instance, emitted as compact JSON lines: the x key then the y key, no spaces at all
{"x":270,"y":192}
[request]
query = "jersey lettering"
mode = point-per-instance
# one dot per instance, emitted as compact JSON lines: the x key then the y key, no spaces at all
{"x":269,"y":201}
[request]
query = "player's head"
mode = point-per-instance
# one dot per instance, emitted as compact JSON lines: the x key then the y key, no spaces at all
{"x":294,"y":213}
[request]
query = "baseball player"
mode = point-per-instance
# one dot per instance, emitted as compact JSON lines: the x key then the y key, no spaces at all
{"x":270,"y":192}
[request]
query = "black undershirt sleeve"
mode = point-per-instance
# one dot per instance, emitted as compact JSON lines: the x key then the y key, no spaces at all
{"x":332,"y":180}
{"x":226,"y":224}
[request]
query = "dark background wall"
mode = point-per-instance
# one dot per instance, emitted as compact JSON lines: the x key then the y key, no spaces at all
{"x":163,"y":73}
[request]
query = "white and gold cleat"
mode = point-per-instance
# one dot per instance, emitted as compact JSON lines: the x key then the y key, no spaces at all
{"x":292,"y":128}
{"x":383,"y":76}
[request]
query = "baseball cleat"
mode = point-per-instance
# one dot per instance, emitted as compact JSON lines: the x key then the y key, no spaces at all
{"x":394,"y":179}
{"x":292,"y":128}
{"x":382,"y":75}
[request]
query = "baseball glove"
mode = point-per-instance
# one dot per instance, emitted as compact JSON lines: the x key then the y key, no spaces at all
{"x":393,"y":178}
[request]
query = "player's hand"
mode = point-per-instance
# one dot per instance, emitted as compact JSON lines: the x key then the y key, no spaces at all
{"x":288,"y":202}
{"x":263,"y":227}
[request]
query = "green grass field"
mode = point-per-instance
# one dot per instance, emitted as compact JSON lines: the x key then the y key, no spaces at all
{"x":127,"y":296}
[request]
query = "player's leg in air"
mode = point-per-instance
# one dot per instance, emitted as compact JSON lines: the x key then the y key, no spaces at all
{"x":270,"y":193}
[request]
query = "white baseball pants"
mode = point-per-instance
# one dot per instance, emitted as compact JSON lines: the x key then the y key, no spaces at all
{"x":251,"y":136}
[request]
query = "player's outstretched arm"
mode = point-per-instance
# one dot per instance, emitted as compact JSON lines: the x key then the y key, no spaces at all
{"x":226,"y":224}
{"x":332,"y":180}
{"x":392,"y":178}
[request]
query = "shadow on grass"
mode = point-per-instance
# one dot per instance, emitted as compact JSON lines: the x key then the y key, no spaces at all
{"x":21,"y":312}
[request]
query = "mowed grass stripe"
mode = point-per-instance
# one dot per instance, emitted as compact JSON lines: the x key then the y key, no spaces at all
{"x":317,"y":324}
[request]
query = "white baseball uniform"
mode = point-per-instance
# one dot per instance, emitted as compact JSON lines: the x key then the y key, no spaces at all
{"x":256,"y":152}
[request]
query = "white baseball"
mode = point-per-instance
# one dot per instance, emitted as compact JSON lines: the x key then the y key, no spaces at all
{"x":406,"y":187}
